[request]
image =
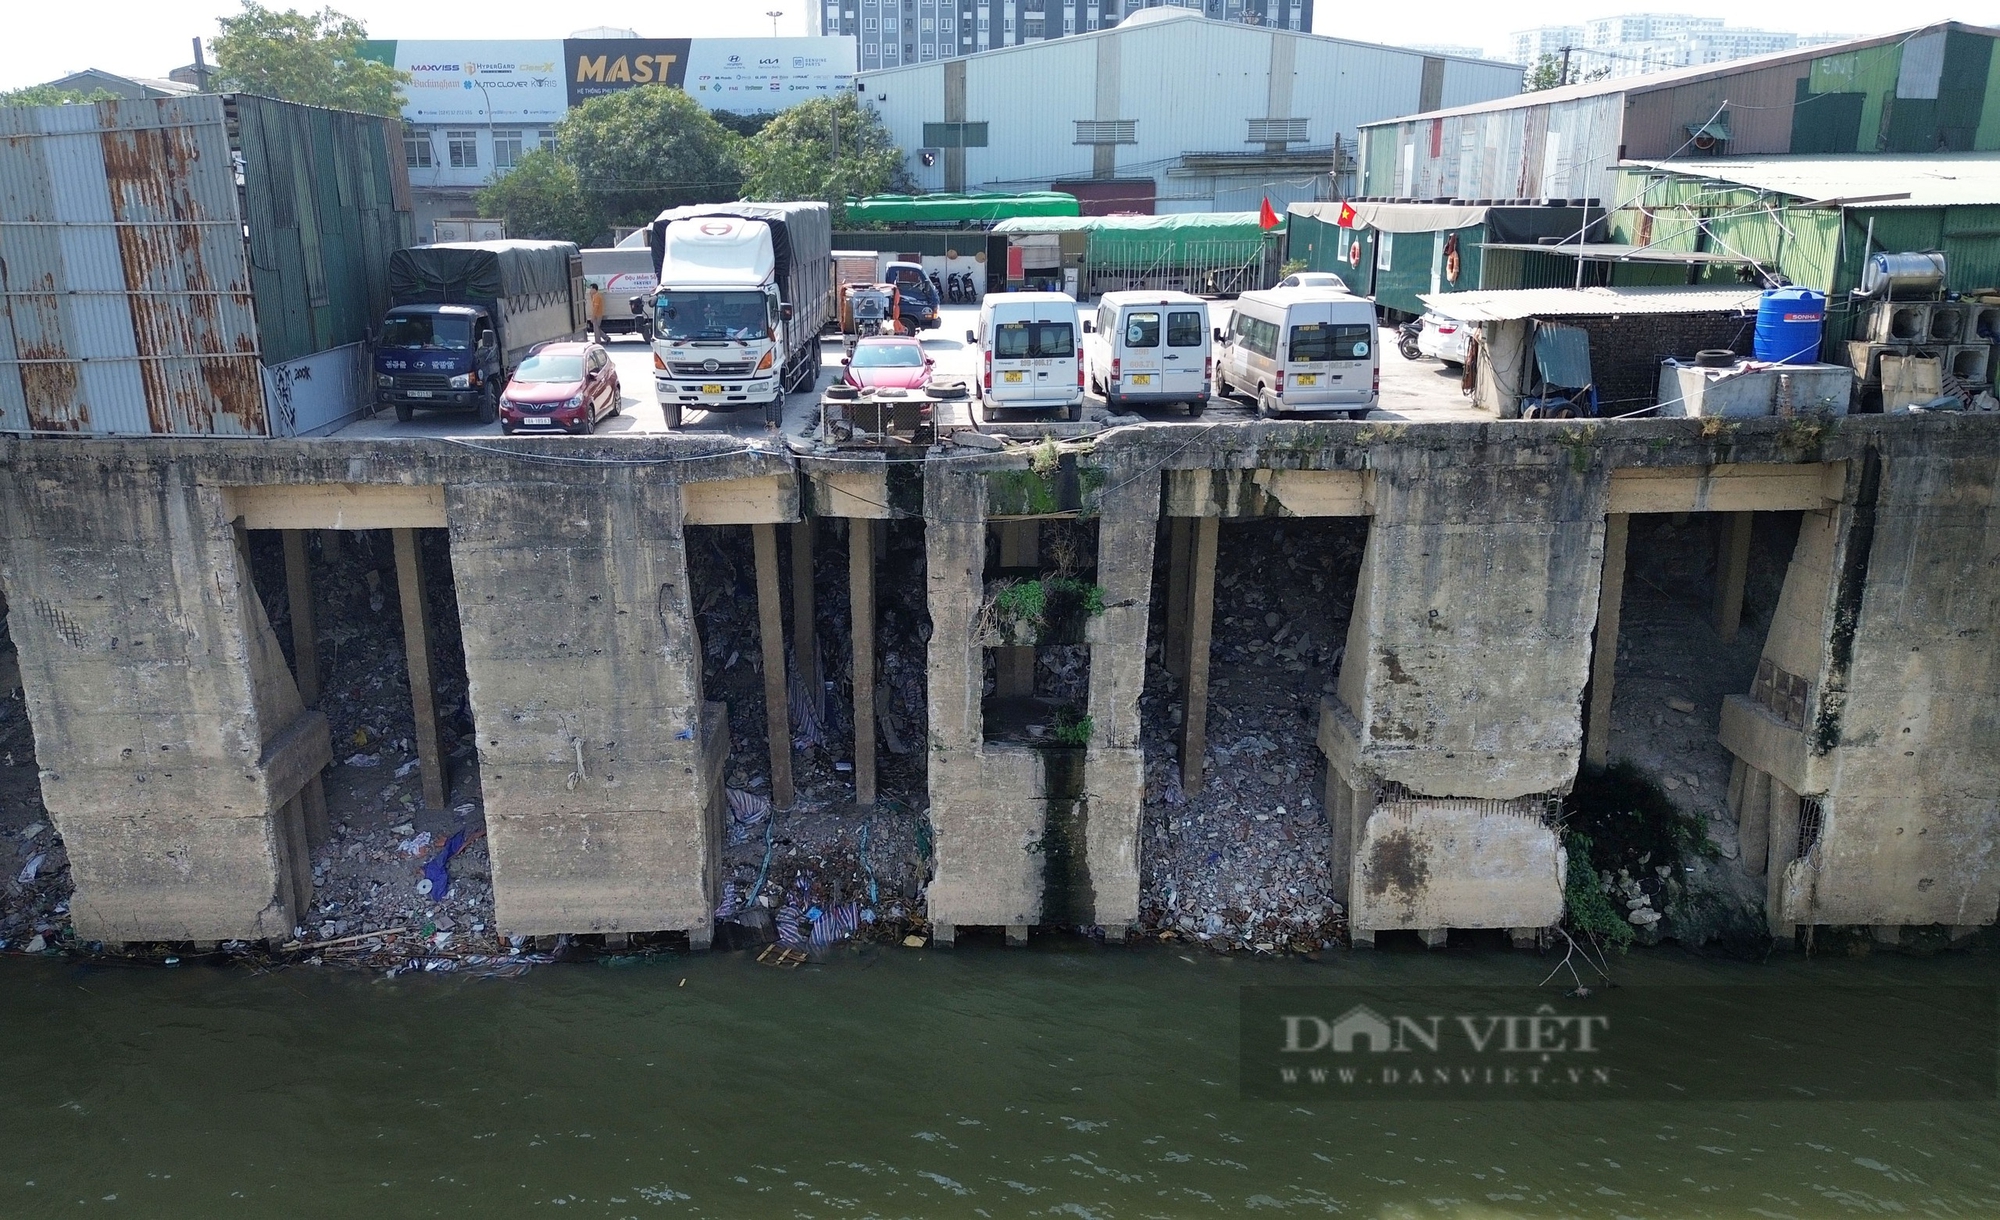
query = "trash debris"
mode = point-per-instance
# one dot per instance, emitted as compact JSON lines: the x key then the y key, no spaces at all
{"x":437,"y":874}
{"x":36,"y":944}
{"x":364,"y":760}
{"x":33,"y":866}
{"x":781,"y":957}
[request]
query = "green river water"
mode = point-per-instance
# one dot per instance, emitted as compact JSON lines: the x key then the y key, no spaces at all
{"x":1058,"y":1081}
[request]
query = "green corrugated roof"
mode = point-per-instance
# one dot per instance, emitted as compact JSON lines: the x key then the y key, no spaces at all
{"x":945,"y":208}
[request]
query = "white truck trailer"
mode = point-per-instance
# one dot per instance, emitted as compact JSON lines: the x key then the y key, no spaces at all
{"x":744,"y":291}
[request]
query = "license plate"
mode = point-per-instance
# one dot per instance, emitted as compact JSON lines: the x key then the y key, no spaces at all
{"x":711,"y":389}
{"x":1307,"y":379}
{"x":1011,"y":378}
{"x":416,"y":393}
{"x":1142,"y":379}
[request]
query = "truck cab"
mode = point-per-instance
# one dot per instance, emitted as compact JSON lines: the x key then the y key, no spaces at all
{"x":438,"y":356}
{"x":918,"y":296}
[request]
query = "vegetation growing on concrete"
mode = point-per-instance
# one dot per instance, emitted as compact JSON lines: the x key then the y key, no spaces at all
{"x":1629,"y":850}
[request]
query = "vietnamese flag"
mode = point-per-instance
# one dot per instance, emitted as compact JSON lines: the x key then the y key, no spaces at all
{"x":1266,"y":218}
{"x":1346,"y":218}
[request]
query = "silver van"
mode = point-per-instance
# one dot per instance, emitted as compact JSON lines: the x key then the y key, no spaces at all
{"x":1149,"y":348}
{"x":1306,"y":350}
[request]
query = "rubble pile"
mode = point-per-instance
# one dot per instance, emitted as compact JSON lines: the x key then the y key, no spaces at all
{"x":1673,"y":673}
{"x":366,"y":878}
{"x":825,"y":855}
{"x":34,"y":868}
{"x":1243,"y":865}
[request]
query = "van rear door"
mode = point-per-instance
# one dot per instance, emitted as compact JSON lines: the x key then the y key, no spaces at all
{"x":1184,"y":367}
{"x":1140,"y":338}
{"x":1329,"y":357}
{"x":1057,"y":358}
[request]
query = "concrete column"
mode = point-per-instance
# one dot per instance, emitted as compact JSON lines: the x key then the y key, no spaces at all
{"x":1732,"y":572}
{"x":861,"y":610}
{"x":771,"y":634}
{"x":1115,"y":775}
{"x":1014,"y":668}
{"x":168,"y":729}
{"x":1201,"y":618}
{"x":1753,"y":826}
{"x":417,"y":655}
{"x":1604,"y":655}
{"x":305,"y":636}
{"x":601,"y":763}
{"x":805,"y":639}
{"x":305,"y":670}
{"x":1180,"y":531}
{"x":1784,"y":848}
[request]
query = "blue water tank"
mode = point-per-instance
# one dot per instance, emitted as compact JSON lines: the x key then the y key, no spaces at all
{"x":1788,"y":326}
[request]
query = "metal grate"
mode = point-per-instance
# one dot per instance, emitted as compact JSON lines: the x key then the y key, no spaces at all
{"x":1787,"y":695}
{"x":1107,"y":131}
{"x":1545,"y":805}
{"x":1277,"y":131}
{"x":1812,"y":819}
{"x":700,"y":368}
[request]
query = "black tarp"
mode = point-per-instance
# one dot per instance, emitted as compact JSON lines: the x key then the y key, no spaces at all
{"x":464,"y":271}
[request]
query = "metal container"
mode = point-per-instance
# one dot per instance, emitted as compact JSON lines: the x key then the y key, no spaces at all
{"x":1921,"y":272}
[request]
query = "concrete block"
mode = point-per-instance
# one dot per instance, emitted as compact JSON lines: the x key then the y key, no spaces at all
{"x":1456,"y":864}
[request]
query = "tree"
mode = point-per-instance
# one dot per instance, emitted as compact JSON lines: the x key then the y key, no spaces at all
{"x":49,"y":95}
{"x":1546,"y":74}
{"x":312,"y":58}
{"x":794,"y":157}
{"x":743,"y":124}
{"x":542,"y":197}
{"x":639,"y":151}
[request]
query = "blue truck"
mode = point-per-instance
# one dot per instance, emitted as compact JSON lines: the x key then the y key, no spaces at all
{"x":464,"y":314}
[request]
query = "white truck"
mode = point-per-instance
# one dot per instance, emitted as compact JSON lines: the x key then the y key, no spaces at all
{"x":744,"y":291}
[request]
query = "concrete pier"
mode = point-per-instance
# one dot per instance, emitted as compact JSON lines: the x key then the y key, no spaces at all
{"x":181,"y":754}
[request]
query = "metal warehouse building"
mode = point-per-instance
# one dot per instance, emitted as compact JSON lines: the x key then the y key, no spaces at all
{"x":1167,"y":112}
{"x":1930,"y":90}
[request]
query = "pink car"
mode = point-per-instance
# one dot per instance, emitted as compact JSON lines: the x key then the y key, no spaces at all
{"x":887,"y":363}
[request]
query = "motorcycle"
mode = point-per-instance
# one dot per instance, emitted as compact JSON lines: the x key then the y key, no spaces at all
{"x":1406,"y":339}
{"x":952,"y":292}
{"x":937,"y":288}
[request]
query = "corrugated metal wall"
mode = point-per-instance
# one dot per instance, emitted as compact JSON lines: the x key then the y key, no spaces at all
{"x":327,"y":199}
{"x":1561,"y":150}
{"x":126,"y":287}
{"x":131,"y":301}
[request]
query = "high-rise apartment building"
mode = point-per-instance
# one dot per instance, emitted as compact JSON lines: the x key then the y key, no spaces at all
{"x":1631,"y":44}
{"x":889,"y":33}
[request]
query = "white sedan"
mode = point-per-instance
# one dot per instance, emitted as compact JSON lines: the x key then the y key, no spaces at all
{"x":1444,"y":338}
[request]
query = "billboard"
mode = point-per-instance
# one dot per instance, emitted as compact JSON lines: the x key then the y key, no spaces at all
{"x":757,"y":74}
{"x":468,"y":81}
{"x":537,"y":81}
{"x":597,"y":66}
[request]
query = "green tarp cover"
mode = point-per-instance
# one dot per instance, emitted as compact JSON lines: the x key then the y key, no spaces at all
{"x":1148,"y":238}
{"x":479,"y":271}
{"x":953,"y":207}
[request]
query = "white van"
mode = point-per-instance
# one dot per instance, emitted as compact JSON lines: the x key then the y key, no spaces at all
{"x":1301,"y":349}
{"x":1149,"y":347}
{"x":1028,"y":355}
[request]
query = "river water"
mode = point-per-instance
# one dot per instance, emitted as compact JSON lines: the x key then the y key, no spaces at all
{"x":1057,"y":1081}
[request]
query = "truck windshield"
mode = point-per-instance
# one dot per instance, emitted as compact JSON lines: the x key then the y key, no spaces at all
{"x":712,"y":315}
{"x":427,"y":330}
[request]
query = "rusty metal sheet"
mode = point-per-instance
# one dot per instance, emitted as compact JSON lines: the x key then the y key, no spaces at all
{"x":125,"y":301}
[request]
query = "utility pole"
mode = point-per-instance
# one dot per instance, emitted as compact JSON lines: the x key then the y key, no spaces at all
{"x":1564,"y":78}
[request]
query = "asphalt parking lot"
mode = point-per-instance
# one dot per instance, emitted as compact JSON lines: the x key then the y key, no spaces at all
{"x":1411,"y":390}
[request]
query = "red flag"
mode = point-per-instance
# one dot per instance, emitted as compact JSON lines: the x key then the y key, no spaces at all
{"x":1346,"y":218}
{"x":1267,"y":219}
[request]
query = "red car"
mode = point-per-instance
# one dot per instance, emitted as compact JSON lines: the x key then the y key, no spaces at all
{"x":888,"y":363}
{"x":561,"y":386}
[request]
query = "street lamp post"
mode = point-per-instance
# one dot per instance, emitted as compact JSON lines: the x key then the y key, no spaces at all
{"x":774,"y":14}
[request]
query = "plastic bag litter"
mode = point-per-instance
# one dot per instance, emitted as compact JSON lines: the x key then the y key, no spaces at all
{"x":33,"y":866}
{"x":747,"y":810}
